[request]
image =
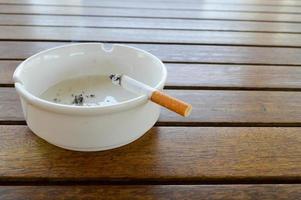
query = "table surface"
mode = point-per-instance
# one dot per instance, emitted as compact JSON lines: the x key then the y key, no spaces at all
{"x":237,"y":62}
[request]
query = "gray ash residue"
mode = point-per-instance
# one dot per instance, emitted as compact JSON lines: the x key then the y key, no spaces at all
{"x":79,"y":99}
{"x":56,"y":100}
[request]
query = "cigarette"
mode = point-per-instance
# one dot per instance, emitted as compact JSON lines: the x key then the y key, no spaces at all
{"x":156,"y":96}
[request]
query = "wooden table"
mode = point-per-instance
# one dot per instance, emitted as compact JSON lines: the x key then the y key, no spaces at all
{"x":237,"y":61}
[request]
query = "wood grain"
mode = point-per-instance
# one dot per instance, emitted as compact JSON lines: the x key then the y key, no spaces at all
{"x":7,"y":69}
{"x":149,"y":36}
{"x":238,"y":106}
{"x":148,"y":23}
{"x":174,"y":53}
{"x":163,"y":5}
{"x":147,"y":13}
{"x":206,"y":76}
{"x":213,"y":51}
{"x":156,"y":192}
{"x":261,"y":2}
{"x":230,"y":76}
{"x":166,"y":2}
{"x":182,"y":154}
{"x":209,"y":106}
{"x":252,"y":2}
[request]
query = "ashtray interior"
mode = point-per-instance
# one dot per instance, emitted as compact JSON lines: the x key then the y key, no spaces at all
{"x":93,"y":90}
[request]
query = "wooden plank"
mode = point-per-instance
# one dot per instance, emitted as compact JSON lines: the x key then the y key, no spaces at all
{"x":256,"y":107}
{"x":7,"y":69}
{"x":174,"y":53}
{"x":163,"y":5}
{"x":196,"y":2}
{"x":230,"y":107}
{"x":22,"y":50}
{"x":206,"y":76}
{"x":149,"y":36}
{"x":229,"y":76}
{"x":148,"y":23}
{"x":156,"y":192}
{"x":252,"y":2}
{"x":166,"y":154}
{"x":127,"y":12}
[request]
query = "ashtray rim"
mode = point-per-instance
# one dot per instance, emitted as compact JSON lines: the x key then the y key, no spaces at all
{"x":73,"y":109}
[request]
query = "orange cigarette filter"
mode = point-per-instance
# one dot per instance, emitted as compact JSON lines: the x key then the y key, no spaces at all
{"x":171,"y":103}
{"x":156,"y":96}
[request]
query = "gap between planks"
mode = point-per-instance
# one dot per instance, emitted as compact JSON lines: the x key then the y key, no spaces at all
{"x":154,"y":43}
{"x":147,"y":28}
{"x":189,"y":124}
{"x":221,"y":88}
{"x":15,"y":181}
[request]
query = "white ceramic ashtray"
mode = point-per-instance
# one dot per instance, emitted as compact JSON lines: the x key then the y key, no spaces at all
{"x":110,"y":116}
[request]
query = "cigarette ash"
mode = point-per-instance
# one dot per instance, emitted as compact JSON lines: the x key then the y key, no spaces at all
{"x":77,"y":99}
{"x":56,"y":100}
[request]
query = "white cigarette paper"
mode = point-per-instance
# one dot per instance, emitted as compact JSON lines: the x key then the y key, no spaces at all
{"x":153,"y":94}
